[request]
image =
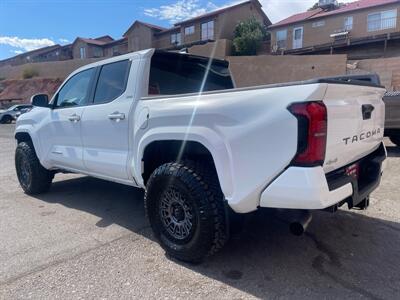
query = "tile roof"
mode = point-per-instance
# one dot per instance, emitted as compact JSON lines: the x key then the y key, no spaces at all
{"x":221,"y":10}
{"x":114,"y":42}
{"x":318,"y":13}
{"x":168,"y":30}
{"x":152,"y":26}
{"x":95,"y":41}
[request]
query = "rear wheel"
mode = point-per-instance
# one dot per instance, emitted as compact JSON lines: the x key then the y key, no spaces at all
{"x":33,"y":178}
{"x":395,"y":140}
{"x":186,"y":210}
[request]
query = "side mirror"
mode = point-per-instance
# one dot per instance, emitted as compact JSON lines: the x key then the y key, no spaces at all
{"x":40,"y":100}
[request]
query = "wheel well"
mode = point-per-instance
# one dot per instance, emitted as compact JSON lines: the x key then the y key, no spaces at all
{"x":23,"y":137}
{"x":161,"y":152}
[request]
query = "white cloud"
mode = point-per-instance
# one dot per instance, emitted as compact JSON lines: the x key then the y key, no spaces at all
{"x":180,"y":10}
{"x":64,"y":41}
{"x":17,"y":51}
{"x":25,"y":44}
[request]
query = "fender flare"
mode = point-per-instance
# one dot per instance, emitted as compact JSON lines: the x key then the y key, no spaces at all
{"x":209,"y":139}
{"x":26,"y":129}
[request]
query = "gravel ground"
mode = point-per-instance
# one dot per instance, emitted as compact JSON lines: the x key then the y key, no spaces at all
{"x":88,"y":238}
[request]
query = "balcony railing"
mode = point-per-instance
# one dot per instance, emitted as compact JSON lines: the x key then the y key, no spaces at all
{"x":382,"y":24}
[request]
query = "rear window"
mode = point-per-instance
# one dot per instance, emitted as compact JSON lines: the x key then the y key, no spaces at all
{"x":175,"y":74}
{"x":112,"y":81}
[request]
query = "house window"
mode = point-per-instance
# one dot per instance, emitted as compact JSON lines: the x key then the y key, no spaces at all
{"x":115,"y":51}
{"x":348,"y":23}
{"x":382,"y":20}
{"x":189,"y":30}
{"x":82,"y":52}
{"x":176,"y":39}
{"x":318,"y":24}
{"x":281,"y":39}
{"x":98,"y":52}
{"x":207,"y":31}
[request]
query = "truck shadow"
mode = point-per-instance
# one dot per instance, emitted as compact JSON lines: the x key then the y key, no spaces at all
{"x":393,"y":151}
{"x":343,"y":253}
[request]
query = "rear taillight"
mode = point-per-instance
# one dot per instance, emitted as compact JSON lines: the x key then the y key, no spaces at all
{"x":312,"y":132}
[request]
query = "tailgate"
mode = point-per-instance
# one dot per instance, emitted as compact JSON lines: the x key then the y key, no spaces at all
{"x":356,"y":116}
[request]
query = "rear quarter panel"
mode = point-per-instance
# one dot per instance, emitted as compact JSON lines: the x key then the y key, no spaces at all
{"x":250,"y":134}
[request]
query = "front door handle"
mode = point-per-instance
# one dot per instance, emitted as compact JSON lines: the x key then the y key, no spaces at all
{"x":74,"y":118}
{"x":116,"y":116}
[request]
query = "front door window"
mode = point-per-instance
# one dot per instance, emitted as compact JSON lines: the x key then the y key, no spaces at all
{"x":75,"y":91}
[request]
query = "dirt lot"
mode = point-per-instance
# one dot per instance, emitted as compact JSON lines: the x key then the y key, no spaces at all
{"x":88,"y":238}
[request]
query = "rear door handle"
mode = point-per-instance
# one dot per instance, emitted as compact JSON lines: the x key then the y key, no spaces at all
{"x":74,"y":118}
{"x":116,"y":116}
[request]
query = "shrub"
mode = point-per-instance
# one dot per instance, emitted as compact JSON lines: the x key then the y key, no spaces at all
{"x":248,"y":37}
{"x":29,"y":72}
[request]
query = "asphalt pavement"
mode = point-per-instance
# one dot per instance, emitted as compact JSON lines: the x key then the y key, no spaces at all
{"x":89,"y":238}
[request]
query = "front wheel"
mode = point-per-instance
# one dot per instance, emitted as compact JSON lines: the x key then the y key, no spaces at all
{"x":186,"y":210}
{"x":6,"y":119}
{"x":32,"y":176}
{"x":395,"y":140}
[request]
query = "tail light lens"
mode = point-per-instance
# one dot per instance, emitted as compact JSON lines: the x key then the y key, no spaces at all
{"x":312,"y":133}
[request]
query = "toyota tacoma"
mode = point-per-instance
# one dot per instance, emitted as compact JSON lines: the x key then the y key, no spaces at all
{"x":175,"y":125}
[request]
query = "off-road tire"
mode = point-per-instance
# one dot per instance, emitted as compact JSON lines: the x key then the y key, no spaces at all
{"x":6,"y":119}
{"x":395,"y":140}
{"x":199,"y":184}
{"x":32,"y":176}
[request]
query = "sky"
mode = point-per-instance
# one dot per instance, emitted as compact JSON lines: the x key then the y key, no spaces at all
{"x":30,"y":24}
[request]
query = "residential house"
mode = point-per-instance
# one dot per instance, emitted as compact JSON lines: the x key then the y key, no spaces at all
{"x":212,"y":26}
{"x":362,"y":29}
{"x":50,"y":53}
{"x":141,"y":35}
{"x":218,"y":24}
{"x":116,"y":47}
{"x":104,"y":46}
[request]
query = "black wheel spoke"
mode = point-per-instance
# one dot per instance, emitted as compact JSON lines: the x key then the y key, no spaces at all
{"x":176,"y":214}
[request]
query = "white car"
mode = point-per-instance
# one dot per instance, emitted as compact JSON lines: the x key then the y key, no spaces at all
{"x":174,"y":125}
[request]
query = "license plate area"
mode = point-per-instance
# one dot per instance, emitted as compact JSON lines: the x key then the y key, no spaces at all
{"x":353,"y":171}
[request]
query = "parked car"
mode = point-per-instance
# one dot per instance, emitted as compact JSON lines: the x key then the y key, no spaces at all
{"x":392,"y":123}
{"x":12,"y":113}
{"x":174,"y":125}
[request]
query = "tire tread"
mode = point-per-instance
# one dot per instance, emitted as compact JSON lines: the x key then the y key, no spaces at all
{"x":198,"y":175}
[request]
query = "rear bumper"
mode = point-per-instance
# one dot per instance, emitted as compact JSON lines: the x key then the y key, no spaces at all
{"x":311,"y":188}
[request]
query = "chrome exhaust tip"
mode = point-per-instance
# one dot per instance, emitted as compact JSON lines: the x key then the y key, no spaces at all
{"x":299,"y":225}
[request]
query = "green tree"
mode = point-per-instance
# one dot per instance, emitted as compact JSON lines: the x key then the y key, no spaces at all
{"x":248,"y":37}
{"x":315,"y":6}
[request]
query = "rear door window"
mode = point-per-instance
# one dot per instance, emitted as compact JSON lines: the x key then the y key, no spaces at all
{"x":112,"y":81}
{"x":175,"y":74}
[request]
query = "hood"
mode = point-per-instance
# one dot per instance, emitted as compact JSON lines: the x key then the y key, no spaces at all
{"x":2,"y":110}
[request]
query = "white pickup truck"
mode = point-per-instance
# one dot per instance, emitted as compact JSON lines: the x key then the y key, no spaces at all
{"x":174,"y":125}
